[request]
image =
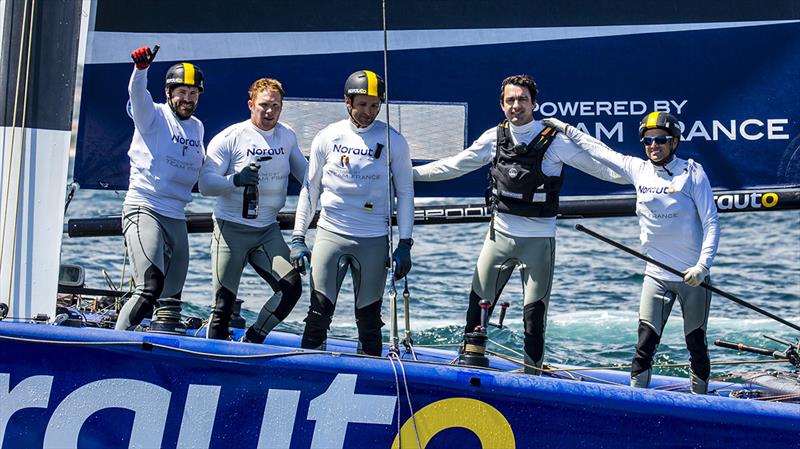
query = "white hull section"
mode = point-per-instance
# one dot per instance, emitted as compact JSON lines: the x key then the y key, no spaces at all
{"x":31,"y":217}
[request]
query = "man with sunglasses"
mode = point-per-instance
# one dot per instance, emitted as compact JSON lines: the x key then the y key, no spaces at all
{"x":526,"y":176}
{"x":679,"y":227}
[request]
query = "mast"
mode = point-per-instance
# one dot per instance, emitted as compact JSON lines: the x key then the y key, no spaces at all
{"x":39,"y":49}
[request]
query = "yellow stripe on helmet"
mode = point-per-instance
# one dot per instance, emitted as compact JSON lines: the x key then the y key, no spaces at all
{"x":188,"y":74}
{"x":652,"y":120}
{"x":372,"y":83}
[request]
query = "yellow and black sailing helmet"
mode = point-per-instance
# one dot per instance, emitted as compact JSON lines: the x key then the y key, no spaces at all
{"x":365,"y":82}
{"x":184,"y":73}
{"x":661,"y":120}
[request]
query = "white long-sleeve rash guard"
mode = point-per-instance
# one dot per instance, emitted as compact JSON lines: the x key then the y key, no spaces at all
{"x":235,"y":148}
{"x":349,"y":182}
{"x":166,"y":153}
{"x":481,"y":152}
{"x":677,"y":213}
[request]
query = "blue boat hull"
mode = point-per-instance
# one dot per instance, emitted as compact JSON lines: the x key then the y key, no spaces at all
{"x":65,"y":387}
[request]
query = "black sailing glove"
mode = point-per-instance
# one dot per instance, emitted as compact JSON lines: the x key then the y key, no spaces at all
{"x":248,"y":176}
{"x":402,"y":258}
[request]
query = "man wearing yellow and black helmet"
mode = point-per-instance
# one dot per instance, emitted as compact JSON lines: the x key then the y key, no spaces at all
{"x":350,"y":170}
{"x":166,"y":155}
{"x":679,"y":228}
{"x":660,"y":124}
{"x":183,"y":86}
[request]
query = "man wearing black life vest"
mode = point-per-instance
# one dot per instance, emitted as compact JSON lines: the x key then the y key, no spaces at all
{"x":526,"y":177}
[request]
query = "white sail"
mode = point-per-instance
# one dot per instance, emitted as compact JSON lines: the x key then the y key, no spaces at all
{"x":37,"y":83}
{"x":34,"y":170}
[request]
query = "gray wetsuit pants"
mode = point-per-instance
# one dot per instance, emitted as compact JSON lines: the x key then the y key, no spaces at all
{"x":158,"y":248}
{"x":332,"y":256}
{"x":496,"y":263}
{"x":233,"y":246}
{"x":655,"y":305}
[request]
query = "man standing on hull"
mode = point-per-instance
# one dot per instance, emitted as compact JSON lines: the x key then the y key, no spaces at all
{"x":526,"y":177}
{"x":347,"y":174}
{"x":166,"y":156}
{"x":259,"y":152}
{"x":679,"y":227}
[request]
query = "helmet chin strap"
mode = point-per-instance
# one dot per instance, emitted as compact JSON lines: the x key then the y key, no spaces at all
{"x":664,"y":162}
{"x":353,"y":119}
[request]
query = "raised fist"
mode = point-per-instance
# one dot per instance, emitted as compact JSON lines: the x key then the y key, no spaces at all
{"x":143,"y":57}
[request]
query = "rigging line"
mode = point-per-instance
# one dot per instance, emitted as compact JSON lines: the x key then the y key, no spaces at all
{"x":397,"y":388}
{"x":439,"y":345}
{"x":676,"y":365}
{"x":108,"y":280}
{"x":211,"y":354}
{"x":393,"y":331}
{"x":551,"y":369}
{"x":388,"y":126}
{"x":183,"y":350}
{"x":22,"y":142}
{"x":11,"y":150}
{"x":73,"y":186}
{"x":778,"y":398}
{"x":410,"y":407}
{"x":520,"y":362}
{"x":513,"y":351}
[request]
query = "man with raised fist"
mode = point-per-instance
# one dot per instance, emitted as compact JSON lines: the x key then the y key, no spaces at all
{"x":166,"y":155}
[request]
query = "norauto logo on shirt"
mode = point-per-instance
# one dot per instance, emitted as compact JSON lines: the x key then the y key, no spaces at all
{"x":265,"y":151}
{"x":185,"y":142}
{"x":353,"y":150}
{"x":654,"y":190}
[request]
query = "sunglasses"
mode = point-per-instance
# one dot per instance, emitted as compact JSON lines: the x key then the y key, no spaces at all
{"x":660,"y":140}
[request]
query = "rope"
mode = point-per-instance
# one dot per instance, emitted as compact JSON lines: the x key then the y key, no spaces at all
{"x":397,"y":389}
{"x":778,"y":398}
{"x":73,"y":186}
{"x":550,"y":370}
{"x":388,"y":134}
{"x":22,"y":141}
{"x":393,"y":331}
{"x":674,"y":365}
{"x":439,"y":345}
{"x":410,"y":406}
{"x":408,"y":400}
{"x":183,"y":350}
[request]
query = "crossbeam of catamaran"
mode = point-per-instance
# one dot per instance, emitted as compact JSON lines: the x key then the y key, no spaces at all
{"x":622,"y":206}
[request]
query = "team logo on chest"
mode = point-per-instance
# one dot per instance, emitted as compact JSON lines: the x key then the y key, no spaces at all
{"x":656,"y":190}
{"x":265,"y":151}
{"x":353,"y":150}
{"x":186,"y":143}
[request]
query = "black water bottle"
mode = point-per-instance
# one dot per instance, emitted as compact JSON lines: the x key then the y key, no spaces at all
{"x":250,"y":198}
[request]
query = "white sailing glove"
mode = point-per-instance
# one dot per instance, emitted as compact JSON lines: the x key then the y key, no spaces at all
{"x":556,"y":123}
{"x":695,"y":275}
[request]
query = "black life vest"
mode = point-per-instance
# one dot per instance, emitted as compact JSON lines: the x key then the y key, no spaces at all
{"x":517,"y":184}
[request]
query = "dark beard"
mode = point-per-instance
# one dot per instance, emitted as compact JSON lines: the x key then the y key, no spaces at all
{"x":177,"y":111}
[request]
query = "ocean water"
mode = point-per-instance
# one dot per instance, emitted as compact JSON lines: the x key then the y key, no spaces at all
{"x":594,"y":302}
